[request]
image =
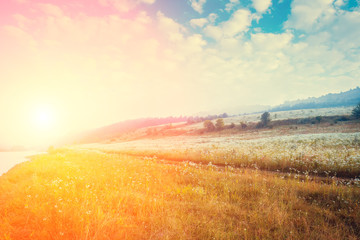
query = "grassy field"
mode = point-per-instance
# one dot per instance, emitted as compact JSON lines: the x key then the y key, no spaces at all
{"x":89,"y":194}
{"x":330,"y":154}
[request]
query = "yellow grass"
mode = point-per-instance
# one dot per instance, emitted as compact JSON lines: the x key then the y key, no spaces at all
{"x":73,"y":194}
{"x":328,"y":154}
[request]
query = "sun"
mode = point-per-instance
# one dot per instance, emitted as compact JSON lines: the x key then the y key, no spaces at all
{"x":43,"y":118}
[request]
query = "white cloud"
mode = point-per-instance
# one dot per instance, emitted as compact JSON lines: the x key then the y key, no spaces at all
{"x":239,"y":22}
{"x":214,"y":32}
{"x":124,"y":5}
{"x":173,"y":31}
{"x":201,"y":22}
{"x":197,"y":5}
{"x":212,"y":17}
{"x":149,"y":1}
{"x":345,"y":30}
{"x":320,"y":17}
{"x":51,"y":9}
{"x":271,"y":42}
{"x":261,"y":5}
{"x":231,"y":4}
{"x":129,"y":57}
{"x":198,"y":22}
{"x":339,"y":3}
{"x":310,"y":15}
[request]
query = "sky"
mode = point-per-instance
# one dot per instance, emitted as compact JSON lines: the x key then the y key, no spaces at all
{"x":71,"y":65}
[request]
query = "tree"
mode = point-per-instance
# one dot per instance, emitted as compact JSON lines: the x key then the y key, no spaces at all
{"x":219,"y":124}
{"x":265,"y":119}
{"x":209,"y":125}
{"x":356,"y":112}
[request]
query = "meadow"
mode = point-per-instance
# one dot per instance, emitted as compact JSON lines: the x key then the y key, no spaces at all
{"x":325,"y":154}
{"x":91,"y":194}
{"x":287,"y":182}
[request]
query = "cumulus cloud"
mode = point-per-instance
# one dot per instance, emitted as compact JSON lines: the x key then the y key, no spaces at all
{"x":173,"y":31}
{"x":51,"y":9}
{"x":261,"y":5}
{"x":130,"y":57}
{"x":345,"y":29}
{"x":239,"y":22}
{"x":212,"y":17}
{"x":198,"y":22}
{"x":231,"y":4}
{"x":197,"y":5}
{"x":339,"y":3}
{"x":320,"y":17}
{"x":214,"y":32}
{"x":148,"y":1}
{"x":310,"y":15}
{"x":124,"y":5}
{"x":201,"y":22}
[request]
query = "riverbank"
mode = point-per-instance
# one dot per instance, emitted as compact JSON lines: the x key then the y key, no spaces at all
{"x":9,"y":160}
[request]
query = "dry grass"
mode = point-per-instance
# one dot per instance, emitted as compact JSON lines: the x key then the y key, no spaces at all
{"x":78,"y":194}
{"x":330,"y":154}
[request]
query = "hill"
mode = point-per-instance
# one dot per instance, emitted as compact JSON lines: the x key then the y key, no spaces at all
{"x":343,"y":99}
{"x":131,"y":127}
{"x":117,"y":129}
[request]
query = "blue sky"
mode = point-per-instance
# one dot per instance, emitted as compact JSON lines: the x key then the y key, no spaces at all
{"x":272,"y":19}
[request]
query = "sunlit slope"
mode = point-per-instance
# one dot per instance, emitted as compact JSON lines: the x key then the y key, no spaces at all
{"x":92,"y":195}
{"x":175,"y":126}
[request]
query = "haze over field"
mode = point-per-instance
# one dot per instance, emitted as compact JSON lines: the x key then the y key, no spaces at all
{"x":72,"y":65}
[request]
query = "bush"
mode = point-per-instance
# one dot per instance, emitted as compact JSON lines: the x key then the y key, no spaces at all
{"x":265,"y":119}
{"x":219,"y":124}
{"x":318,"y":119}
{"x":342,"y":119}
{"x":356,"y":112}
{"x":209,"y":125}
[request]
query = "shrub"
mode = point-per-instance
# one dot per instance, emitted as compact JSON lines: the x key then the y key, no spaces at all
{"x":318,"y":119}
{"x":209,"y":125}
{"x":219,"y":124}
{"x":356,"y":112}
{"x":265,"y":119}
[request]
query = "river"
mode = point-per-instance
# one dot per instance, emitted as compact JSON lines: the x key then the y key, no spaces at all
{"x":9,"y":159}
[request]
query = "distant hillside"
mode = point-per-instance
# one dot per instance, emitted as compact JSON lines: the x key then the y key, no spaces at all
{"x":343,"y":99}
{"x":115,"y":130}
{"x":119,"y":129}
{"x":349,"y":98}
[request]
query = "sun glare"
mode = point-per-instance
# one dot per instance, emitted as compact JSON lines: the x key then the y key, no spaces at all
{"x":43,"y":118}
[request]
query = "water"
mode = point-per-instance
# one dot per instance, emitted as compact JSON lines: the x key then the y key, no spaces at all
{"x":9,"y":159}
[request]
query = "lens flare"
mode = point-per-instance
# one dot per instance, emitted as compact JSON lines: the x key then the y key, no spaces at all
{"x":44,"y":118}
